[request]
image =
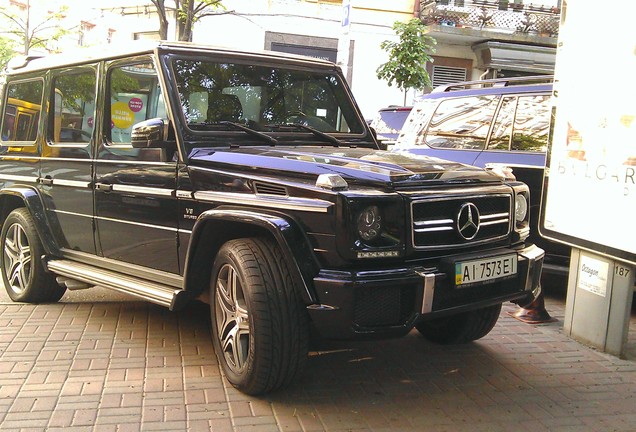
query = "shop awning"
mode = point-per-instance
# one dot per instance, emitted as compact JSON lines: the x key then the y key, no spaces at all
{"x":518,"y":57}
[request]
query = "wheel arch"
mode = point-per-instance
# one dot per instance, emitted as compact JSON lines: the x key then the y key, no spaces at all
{"x":215,"y":227}
{"x":15,"y":197}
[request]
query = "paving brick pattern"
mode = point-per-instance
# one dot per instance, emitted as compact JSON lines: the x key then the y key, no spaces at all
{"x":131,"y":366}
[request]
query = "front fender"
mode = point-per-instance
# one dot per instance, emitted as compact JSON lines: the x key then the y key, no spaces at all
{"x":29,"y":197}
{"x":214,"y":227}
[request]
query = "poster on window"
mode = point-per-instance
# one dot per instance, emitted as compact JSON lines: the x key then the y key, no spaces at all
{"x":590,"y":195}
{"x":126,"y":110}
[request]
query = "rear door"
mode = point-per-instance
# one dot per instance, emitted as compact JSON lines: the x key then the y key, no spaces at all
{"x":66,"y":174}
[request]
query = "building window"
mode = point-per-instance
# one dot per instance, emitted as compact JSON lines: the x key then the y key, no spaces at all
{"x":85,"y":28}
{"x":154,"y":35}
{"x":447,"y":75}
{"x":449,"y":70}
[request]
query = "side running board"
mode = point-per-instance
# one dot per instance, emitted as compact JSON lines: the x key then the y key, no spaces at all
{"x":154,"y":292}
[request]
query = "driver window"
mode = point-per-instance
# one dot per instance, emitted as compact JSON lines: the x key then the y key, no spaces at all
{"x":135,"y":96}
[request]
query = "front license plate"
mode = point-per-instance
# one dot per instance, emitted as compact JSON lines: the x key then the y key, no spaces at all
{"x":486,"y":269}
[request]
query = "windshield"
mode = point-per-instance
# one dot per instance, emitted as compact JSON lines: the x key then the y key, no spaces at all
{"x":220,"y":97}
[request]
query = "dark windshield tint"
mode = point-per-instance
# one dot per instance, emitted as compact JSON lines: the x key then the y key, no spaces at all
{"x":212,"y":94}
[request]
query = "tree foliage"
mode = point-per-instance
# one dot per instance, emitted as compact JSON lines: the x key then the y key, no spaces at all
{"x":7,"y":51}
{"x":408,"y":57}
{"x":32,"y":34}
{"x":188,"y":12}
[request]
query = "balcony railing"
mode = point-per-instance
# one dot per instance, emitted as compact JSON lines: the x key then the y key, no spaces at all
{"x":496,"y":15}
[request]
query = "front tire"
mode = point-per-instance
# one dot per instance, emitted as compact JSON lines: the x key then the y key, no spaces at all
{"x":23,"y":273}
{"x":461,"y":328}
{"x":259,"y":324}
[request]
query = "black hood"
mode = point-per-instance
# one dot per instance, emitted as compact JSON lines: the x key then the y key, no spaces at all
{"x":355,"y":165}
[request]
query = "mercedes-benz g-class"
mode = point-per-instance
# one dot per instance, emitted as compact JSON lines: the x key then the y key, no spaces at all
{"x":251,"y":181}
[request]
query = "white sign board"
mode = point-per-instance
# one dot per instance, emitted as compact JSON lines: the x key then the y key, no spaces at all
{"x":590,"y":197}
{"x":593,"y":275}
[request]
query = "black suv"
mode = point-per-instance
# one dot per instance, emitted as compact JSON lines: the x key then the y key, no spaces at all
{"x":250,"y":181}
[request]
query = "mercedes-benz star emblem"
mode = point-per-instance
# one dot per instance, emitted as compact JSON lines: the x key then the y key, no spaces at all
{"x":468,"y":221}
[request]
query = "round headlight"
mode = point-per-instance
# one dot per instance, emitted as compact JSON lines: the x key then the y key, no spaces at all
{"x":521,"y":208}
{"x":369,"y":223}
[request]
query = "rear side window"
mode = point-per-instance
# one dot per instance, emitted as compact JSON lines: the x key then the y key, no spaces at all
{"x":523,"y":124}
{"x":462,"y":123}
{"x":74,"y":107}
{"x":532,"y":124}
{"x":21,"y":113}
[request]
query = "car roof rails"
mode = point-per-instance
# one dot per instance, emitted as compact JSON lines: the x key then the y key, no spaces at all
{"x":497,"y":82}
{"x":22,"y":61}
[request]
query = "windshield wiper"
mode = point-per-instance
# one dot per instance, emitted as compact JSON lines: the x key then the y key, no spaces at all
{"x":320,"y":134}
{"x":250,"y":131}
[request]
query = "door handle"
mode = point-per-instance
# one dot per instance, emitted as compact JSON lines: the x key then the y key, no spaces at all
{"x":104,"y":187}
{"x":46,"y":181}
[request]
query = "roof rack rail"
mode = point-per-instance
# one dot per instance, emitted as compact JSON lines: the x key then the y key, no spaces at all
{"x":21,"y":61}
{"x":497,"y":82}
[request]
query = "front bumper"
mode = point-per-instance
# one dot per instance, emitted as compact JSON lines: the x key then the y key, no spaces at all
{"x":389,"y":302}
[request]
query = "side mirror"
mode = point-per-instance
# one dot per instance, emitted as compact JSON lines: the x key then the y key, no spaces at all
{"x":150,"y":133}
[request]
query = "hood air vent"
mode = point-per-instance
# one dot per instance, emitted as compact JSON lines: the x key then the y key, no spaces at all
{"x":269,"y":189}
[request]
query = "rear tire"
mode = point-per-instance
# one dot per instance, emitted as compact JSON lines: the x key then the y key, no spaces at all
{"x":259,"y":324}
{"x":23,"y":272}
{"x":461,"y":328}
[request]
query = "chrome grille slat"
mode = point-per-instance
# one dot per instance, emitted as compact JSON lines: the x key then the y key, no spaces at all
{"x":495,"y":222}
{"x":434,"y":222}
{"x":505,"y":215}
{"x":421,"y":230}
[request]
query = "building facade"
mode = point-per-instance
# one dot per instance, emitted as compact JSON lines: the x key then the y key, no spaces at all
{"x":475,"y":38}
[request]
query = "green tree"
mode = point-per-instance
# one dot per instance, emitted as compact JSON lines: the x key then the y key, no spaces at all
{"x":7,"y":51}
{"x":408,"y":57}
{"x":32,"y":34}
{"x":187,"y":13}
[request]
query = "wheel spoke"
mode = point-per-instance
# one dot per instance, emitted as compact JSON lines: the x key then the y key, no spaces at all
{"x":17,"y":257}
{"x":25,"y":271}
{"x":232,"y":318}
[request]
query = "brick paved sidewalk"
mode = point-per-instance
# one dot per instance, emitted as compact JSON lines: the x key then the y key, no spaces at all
{"x":129,"y":366}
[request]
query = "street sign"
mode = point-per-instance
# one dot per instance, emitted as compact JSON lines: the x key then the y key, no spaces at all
{"x":345,"y":22}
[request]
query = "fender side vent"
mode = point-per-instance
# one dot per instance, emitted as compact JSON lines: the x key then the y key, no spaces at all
{"x":269,"y":189}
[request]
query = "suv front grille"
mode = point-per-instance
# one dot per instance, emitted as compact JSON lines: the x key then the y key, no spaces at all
{"x":435,"y":221}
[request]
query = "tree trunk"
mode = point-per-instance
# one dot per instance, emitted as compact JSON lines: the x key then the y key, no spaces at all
{"x":163,"y":28}
{"x":186,"y":21}
{"x":163,"y":19}
{"x":27,"y":30}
